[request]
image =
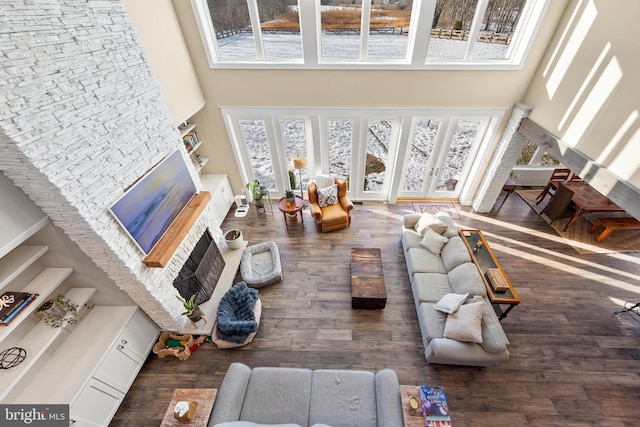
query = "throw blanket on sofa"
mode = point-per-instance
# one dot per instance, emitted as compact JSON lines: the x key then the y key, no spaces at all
{"x":236,"y":319}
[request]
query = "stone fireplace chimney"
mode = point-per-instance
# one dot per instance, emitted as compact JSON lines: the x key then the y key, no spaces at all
{"x":82,"y":119}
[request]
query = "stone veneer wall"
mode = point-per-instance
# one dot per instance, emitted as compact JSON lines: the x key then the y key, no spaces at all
{"x":81,"y":119}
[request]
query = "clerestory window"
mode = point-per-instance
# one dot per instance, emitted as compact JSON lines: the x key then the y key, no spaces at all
{"x":368,"y":34}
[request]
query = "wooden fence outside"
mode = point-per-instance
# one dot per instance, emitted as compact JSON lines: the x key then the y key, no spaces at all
{"x":483,"y":36}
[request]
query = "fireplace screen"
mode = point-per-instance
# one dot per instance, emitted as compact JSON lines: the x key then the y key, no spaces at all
{"x":201,"y":271}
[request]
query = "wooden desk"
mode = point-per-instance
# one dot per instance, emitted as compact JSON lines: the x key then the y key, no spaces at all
{"x":204,"y":397}
{"x":588,"y":199}
{"x":483,"y":257}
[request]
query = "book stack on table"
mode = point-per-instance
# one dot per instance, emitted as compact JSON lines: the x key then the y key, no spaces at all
{"x":434,"y":406}
{"x":12,"y":304}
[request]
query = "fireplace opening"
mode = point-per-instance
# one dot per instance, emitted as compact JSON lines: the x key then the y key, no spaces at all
{"x":201,"y":271}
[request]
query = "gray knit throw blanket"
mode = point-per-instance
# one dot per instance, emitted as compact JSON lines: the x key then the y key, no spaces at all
{"x":236,"y":319}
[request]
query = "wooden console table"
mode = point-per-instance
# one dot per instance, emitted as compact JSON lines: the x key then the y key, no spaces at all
{"x":483,"y":257}
{"x":204,"y":397}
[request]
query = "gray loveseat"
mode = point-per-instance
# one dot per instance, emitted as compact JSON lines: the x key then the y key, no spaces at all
{"x":452,"y":271}
{"x":293,"y":397}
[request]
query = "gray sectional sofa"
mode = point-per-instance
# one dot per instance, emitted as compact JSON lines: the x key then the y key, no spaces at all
{"x":294,"y":397}
{"x":433,"y":276}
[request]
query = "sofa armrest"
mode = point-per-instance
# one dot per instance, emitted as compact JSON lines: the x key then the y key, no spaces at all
{"x":388,"y":400}
{"x":230,"y":397}
{"x":410,"y":220}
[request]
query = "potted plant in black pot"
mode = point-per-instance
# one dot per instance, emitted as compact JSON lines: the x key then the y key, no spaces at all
{"x":191,"y":310}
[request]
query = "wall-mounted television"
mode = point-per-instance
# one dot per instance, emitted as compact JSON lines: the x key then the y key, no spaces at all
{"x":149,"y":207}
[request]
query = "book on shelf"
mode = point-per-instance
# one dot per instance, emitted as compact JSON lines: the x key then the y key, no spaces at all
{"x":190,"y":140}
{"x":12,"y":303}
{"x":434,"y":406}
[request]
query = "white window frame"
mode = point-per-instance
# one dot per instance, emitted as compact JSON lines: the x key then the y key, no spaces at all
{"x":418,"y":41}
{"x":317,"y":148}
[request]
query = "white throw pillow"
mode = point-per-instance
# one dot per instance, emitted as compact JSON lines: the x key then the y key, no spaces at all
{"x":465,"y":324}
{"x":323,"y":181}
{"x":450,"y":303}
{"x":328,"y":196}
{"x":433,"y":241}
{"x":428,"y":220}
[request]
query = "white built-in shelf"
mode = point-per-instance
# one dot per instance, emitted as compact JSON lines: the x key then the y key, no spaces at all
{"x":196,"y":147}
{"x":43,"y":285}
{"x":92,"y":338}
{"x":203,"y":161}
{"x":17,"y":261}
{"x":232,"y":259}
{"x":185,"y":130}
{"x":40,"y":343}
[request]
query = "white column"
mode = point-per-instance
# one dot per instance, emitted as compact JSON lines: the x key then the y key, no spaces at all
{"x":504,"y":158}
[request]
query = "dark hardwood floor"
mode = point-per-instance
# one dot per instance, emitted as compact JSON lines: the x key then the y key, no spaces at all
{"x":573,"y":361}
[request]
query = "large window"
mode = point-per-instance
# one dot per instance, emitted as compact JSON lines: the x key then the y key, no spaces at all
{"x":382,"y":153}
{"x":410,"y":34}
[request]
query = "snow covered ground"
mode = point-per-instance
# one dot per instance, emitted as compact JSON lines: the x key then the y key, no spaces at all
{"x":347,"y":46}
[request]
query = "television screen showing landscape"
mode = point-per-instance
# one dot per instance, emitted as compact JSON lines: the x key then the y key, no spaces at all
{"x":147,"y":210}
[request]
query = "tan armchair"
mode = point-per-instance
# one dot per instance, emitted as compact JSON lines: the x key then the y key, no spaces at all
{"x":333,"y":217}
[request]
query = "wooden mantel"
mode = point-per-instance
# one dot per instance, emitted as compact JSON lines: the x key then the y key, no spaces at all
{"x":168,"y":244}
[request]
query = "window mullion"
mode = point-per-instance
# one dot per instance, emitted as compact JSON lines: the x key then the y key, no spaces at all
{"x":255,"y":26}
{"x":310,"y":31}
{"x":364,"y":29}
{"x":481,"y":8}
{"x":421,"y":18}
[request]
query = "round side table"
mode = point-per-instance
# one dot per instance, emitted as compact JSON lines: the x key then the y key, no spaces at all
{"x":292,"y":211}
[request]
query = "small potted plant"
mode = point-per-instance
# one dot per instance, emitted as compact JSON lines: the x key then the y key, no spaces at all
{"x":289,"y":197}
{"x":58,"y":312}
{"x":256,"y":192}
{"x":191,"y":310}
{"x":233,"y":238}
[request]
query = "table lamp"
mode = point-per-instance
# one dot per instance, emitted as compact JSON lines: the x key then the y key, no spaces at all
{"x":299,"y":162}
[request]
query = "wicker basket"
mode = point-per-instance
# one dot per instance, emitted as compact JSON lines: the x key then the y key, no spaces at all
{"x":182,"y":353}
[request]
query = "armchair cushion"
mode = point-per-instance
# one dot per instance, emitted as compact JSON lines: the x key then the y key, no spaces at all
{"x":328,"y":196}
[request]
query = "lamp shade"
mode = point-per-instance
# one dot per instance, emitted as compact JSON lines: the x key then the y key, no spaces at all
{"x":298,"y":162}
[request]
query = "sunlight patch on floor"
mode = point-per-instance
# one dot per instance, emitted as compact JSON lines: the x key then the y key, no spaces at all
{"x":561,"y":255}
{"x":605,"y":280}
{"x":551,"y":237}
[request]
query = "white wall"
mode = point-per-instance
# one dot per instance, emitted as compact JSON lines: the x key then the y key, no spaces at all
{"x":586,"y":94}
{"x":161,"y":38}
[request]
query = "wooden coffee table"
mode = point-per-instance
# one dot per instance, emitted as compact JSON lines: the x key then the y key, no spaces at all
{"x":204,"y":397}
{"x":367,"y":279}
{"x":411,"y":418}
